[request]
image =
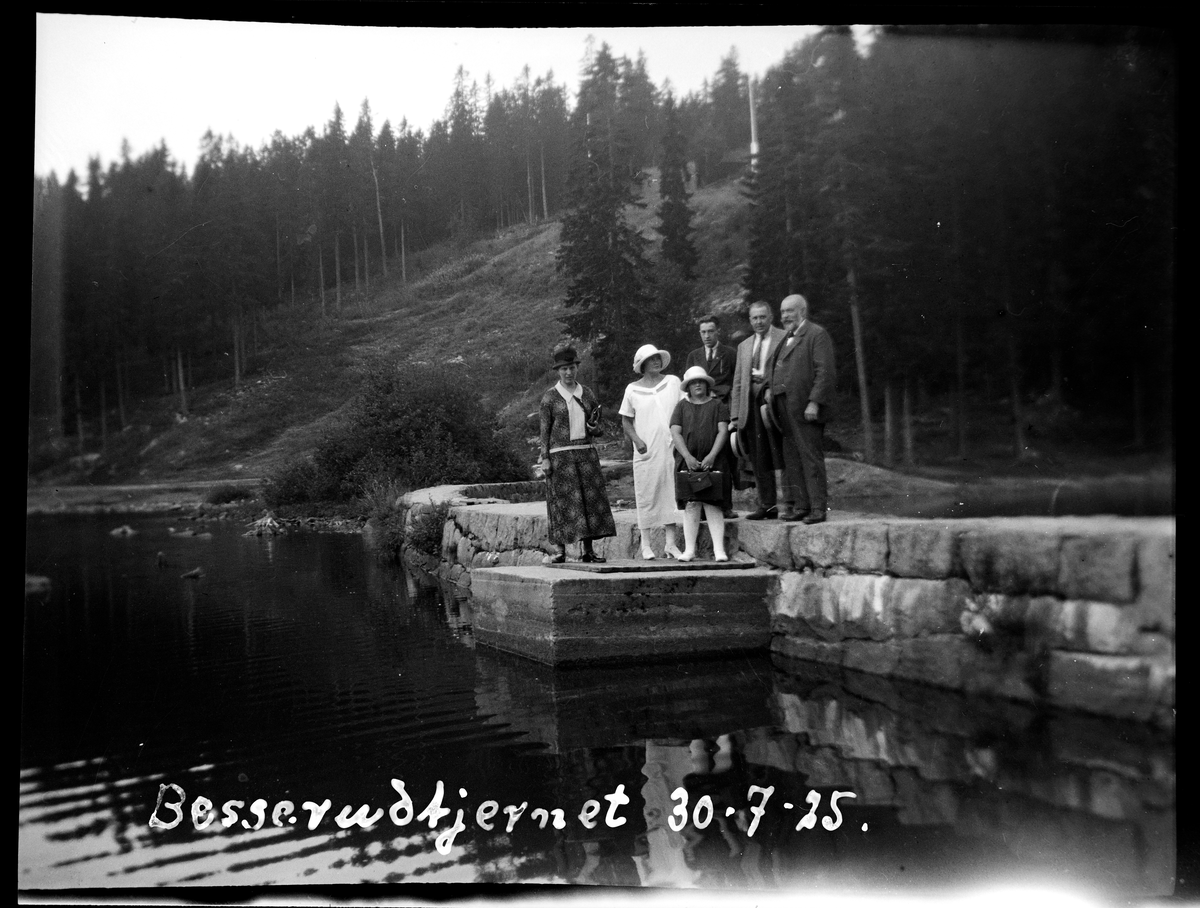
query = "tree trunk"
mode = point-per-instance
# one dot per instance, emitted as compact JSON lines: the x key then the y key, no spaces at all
{"x":1014,"y":390}
{"x":403,"y":255}
{"x":379,"y":215}
{"x":78,"y":416}
{"x":278,"y":263}
{"x":860,"y":358}
{"x":910,"y":457}
{"x":545,"y":208}
{"x":103,"y":418}
{"x":366,"y":265}
{"x":321,"y":276}
{"x":889,"y":424}
{"x":121,"y":394}
{"x":337,"y":270}
{"x":354,"y":241}
{"x":1139,"y":423}
{"x":237,"y":352}
{"x":529,"y":183}
{"x":183,"y":404}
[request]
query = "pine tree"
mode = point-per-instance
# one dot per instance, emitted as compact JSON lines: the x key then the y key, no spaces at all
{"x":675,"y":215}
{"x":602,"y":257}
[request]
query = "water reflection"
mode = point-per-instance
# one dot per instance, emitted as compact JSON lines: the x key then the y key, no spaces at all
{"x":299,"y":669}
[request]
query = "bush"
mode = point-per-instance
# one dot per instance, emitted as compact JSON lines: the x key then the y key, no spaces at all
{"x":425,"y":534}
{"x":412,"y":426}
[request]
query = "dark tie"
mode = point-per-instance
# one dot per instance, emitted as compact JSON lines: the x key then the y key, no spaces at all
{"x":754,"y":364}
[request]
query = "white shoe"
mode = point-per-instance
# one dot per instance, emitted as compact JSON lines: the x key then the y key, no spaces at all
{"x":684,"y":556}
{"x":720,"y":557}
{"x":648,"y":555}
{"x":673,"y":552}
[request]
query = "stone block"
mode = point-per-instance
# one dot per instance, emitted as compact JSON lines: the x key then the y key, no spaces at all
{"x":1013,"y":556}
{"x":919,"y":607}
{"x":872,"y":606}
{"x":560,"y":616}
{"x":1099,"y":567}
{"x":923,"y":548}
{"x":1126,"y":687}
{"x":766,"y":541}
{"x":806,"y":649}
{"x":1156,"y":580}
{"x":859,"y":546}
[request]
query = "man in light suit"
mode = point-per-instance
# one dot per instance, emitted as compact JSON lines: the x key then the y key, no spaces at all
{"x":717,"y":360}
{"x":759,"y":441}
{"x":800,"y":389}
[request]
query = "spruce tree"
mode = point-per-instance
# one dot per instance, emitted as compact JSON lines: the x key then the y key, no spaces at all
{"x":601,"y":255}
{"x":674,"y":213}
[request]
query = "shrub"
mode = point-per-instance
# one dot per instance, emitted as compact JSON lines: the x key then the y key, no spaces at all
{"x":425,"y":534}
{"x":411,"y":425}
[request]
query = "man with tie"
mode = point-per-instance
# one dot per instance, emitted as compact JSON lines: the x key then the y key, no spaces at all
{"x":715,"y":357}
{"x":800,"y":389}
{"x":718,"y":361}
{"x":760,"y":442}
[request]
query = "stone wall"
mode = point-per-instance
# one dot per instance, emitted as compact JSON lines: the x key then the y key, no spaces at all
{"x":1075,"y":612}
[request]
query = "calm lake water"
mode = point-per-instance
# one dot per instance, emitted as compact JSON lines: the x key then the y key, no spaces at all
{"x":297,"y":669}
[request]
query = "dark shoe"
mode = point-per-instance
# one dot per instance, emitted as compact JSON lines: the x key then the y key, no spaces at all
{"x":592,"y":558}
{"x":560,"y":558}
{"x":793,"y":516}
{"x":731,"y":514}
{"x":815,"y":517}
{"x":764,"y":514}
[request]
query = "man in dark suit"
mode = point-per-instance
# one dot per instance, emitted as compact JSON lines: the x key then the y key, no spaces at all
{"x":758,"y":441}
{"x":718,"y":361}
{"x":716,"y":358}
{"x":800,"y":390}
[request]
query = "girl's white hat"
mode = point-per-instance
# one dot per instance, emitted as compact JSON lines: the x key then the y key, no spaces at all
{"x":697,"y":373}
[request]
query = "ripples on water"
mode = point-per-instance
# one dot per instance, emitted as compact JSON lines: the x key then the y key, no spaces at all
{"x":297,"y":668}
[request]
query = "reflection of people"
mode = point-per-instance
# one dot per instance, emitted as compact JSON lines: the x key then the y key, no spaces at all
{"x":576,"y":501}
{"x":800,"y":390}
{"x":699,"y":428}
{"x":646,"y":417}
{"x":759,"y":441}
{"x":718,"y":361}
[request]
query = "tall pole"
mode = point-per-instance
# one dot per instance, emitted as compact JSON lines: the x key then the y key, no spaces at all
{"x":753,"y":130}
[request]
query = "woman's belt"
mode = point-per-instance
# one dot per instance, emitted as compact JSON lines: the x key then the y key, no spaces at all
{"x":583,"y":446}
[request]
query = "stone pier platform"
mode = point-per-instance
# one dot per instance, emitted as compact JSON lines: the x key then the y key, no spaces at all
{"x":562,"y":617}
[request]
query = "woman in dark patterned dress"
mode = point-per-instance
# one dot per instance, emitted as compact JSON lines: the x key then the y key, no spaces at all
{"x":699,"y":429}
{"x":576,"y":501}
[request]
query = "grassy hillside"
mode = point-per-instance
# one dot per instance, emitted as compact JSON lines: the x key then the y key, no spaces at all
{"x":491,"y":306}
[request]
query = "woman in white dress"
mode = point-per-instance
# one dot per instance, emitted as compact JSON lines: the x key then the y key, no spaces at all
{"x":646,"y":417}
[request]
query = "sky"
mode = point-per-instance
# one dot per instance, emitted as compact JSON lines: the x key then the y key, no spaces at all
{"x":101,"y":80}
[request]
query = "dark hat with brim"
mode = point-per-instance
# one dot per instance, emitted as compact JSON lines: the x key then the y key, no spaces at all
{"x":565,"y":357}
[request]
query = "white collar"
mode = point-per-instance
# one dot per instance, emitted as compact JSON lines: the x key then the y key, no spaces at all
{"x":567,"y":395}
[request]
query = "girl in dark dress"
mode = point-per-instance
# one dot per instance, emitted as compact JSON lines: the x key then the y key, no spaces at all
{"x":699,"y":429}
{"x":576,"y":500}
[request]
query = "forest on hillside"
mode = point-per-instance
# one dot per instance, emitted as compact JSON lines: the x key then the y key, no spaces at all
{"x":971,"y":212}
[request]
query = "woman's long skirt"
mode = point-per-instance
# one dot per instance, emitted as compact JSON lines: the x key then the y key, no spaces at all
{"x":576,"y":500}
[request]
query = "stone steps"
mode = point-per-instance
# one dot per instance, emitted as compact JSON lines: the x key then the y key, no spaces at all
{"x":562,"y":617}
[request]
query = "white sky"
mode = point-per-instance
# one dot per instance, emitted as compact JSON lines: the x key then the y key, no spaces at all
{"x":102,"y":79}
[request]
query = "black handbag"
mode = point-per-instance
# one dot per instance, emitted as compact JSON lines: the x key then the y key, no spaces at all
{"x":700,"y":485}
